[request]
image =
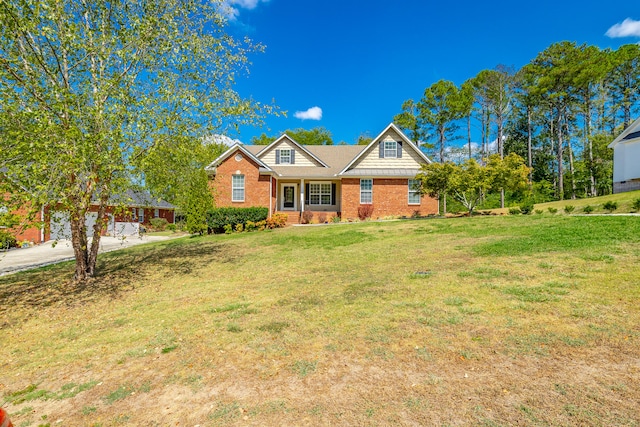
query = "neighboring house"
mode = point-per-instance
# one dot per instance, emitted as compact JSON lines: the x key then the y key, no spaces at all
{"x":626,"y":159}
{"x":328,"y":180}
{"x":126,"y":213}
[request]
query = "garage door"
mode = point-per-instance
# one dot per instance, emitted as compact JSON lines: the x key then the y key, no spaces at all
{"x":61,"y":228}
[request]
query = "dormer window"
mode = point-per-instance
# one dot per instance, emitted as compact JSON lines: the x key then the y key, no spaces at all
{"x":285,"y":156}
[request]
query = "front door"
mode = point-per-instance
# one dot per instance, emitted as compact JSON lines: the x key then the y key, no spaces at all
{"x":288,"y":197}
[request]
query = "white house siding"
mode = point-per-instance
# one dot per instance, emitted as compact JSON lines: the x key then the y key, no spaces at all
{"x":301,"y":158}
{"x":372,"y":160}
{"x":626,"y":157}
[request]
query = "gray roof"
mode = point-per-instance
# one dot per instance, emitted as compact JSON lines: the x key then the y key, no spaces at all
{"x":140,"y":199}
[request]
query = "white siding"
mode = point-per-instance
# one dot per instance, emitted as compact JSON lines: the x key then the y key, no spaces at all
{"x":371,"y":159}
{"x":301,"y":158}
{"x":626,"y":161}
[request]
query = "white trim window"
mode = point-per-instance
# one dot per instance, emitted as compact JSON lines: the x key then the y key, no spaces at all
{"x":320,"y":193}
{"x":237,"y":188}
{"x":414,"y":192}
{"x":390,"y":149}
{"x":366,"y":191}
{"x":141,"y":215}
{"x":285,"y":156}
{"x":156,"y":213}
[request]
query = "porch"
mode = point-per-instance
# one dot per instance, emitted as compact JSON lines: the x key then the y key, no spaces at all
{"x":307,"y":201}
{"x":310,"y":217}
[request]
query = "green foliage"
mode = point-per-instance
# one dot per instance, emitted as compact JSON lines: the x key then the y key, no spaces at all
{"x":552,"y":210}
{"x":515,"y":211}
{"x":610,"y":206}
{"x":7,"y":240}
{"x":159,"y":224}
{"x":526,"y":208}
{"x":538,"y":211}
{"x":636,"y":204}
{"x":588,"y":209}
{"x":569,"y":208}
{"x":218,"y":218}
{"x":315,"y":136}
{"x":197,"y":203}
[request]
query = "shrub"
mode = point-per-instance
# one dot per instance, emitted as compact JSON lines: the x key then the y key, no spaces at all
{"x":514,"y":211}
{"x":171,"y":227}
{"x":228,"y":228}
{"x":552,"y":211}
{"x":217,"y":218}
{"x":587,"y":209}
{"x":239,"y":228}
{"x":335,"y":219}
{"x":569,"y":208}
{"x":526,"y":208}
{"x":610,"y":206}
{"x":307,"y":217}
{"x":7,"y":240}
{"x":365,"y":212}
{"x":636,"y":204}
{"x":539,"y":211}
{"x":322,"y":218}
{"x":159,"y":224}
{"x":250,"y":226}
{"x":261,"y":225}
{"x":276,"y":221}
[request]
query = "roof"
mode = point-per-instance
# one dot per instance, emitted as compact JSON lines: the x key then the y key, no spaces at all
{"x":302,"y":147}
{"x":235,"y":147}
{"x":631,"y":133}
{"x":140,"y":198}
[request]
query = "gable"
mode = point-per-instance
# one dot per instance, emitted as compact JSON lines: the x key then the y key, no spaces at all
{"x":297,"y":156}
{"x":630,"y":135}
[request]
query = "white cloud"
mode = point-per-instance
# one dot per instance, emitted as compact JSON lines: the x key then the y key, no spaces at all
{"x":313,"y":113}
{"x":231,"y":8}
{"x":628,"y":28}
{"x":217,"y":138}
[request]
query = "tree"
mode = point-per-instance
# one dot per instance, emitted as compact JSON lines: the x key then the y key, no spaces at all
{"x":435,"y":179}
{"x":408,"y":120}
{"x":315,"y":136}
{"x":364,"y":139}
{"x":88,"y":89}
{"x":624,"y":80}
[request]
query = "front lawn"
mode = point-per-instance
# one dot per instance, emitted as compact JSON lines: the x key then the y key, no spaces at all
{"x":495,"y":321}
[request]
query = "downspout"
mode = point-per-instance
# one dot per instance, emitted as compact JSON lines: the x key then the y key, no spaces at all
{"x":42,"y":226}
{"x":270,"y":194}
{"x":301,"y":195}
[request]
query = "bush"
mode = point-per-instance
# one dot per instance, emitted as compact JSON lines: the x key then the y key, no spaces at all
{"x":250,"y":226}
{"x":515,"y":211}
{"x":322,"y":218}
{"x":610,"y":206}
{"x":552,"y":211}
{"x":219,"y":217}
{"x":569,"y":208}
{"x":335,"y":219}
{"x":526,"y":208}
{"x":587,"y":209}
{"x":159,"y":224}
{"x":365,"y":212}
{"x":539,"y":211}
{"x":307,"y":217}
{"x":7,"y":240}
{"x":636,"y":204}
{"x":277,"y":221}
{"x":171,"y":227}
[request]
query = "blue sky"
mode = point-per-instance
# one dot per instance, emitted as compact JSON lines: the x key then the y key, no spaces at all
{"x":349,"y":65}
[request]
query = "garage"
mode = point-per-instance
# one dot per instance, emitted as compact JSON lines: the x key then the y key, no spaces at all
{"x":60,"y":225}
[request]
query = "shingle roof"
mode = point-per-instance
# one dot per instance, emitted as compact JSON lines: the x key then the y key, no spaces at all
{"x":140,"y":198}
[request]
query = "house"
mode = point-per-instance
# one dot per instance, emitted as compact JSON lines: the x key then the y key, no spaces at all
{"x":327,"y":180}
{"x":126,"y":213}
{"x":626,"y":159}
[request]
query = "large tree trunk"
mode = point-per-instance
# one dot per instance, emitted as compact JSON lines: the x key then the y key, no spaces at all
{"x":79,"y":242}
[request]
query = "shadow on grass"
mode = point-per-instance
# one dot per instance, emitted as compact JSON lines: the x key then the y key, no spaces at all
{"x":117,"y":272}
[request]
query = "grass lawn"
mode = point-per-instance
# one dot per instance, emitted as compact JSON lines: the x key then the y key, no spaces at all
{"x":489,"y":321}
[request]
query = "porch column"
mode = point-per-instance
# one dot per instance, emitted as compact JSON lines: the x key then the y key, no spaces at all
{"x":302,"y":195}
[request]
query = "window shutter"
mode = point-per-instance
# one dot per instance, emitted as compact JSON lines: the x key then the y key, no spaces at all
{"x":293,"y":157}
{"x":333,"y":194}
{"x":277,"y":157}
{"x":399,"y":155}
{"x":381,"y":149}
{"x":306,"y":194}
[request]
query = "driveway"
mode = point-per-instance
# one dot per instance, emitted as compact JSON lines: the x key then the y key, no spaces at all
{"x":24,"y":259}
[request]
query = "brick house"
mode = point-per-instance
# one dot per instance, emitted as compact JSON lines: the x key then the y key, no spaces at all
{"x":125,"y":213}
{"x":328,"y":180}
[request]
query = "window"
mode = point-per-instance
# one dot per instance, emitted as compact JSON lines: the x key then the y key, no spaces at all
{"x":320,"y":193}
{"x":390,"y":149}
{"x":366,"y":191}
{"x":237,"y":188}
{"x":140,"y":215}
{"x":414,"y":192}
{"x":156,"y":213}
{"x":285,"y":156}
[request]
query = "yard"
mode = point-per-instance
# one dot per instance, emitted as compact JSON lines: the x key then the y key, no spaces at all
{"x":494,"y":321}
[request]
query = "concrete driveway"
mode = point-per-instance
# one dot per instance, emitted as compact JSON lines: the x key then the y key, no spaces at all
{"x":24,"y":259}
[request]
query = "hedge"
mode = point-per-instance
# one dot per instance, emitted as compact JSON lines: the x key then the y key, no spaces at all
{"x":219,"y":217}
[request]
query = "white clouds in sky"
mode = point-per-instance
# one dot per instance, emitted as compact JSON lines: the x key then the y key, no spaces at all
{"x":313,"y":113}
{"x":231,"y":8}
{"x":628,"y":28}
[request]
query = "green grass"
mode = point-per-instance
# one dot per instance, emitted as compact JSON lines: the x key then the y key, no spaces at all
{"x":469,"y":321}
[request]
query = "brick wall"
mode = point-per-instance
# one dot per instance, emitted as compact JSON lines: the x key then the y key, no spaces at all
{"x":390,"y":198}
{"x":256,"y":187}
